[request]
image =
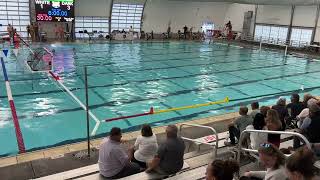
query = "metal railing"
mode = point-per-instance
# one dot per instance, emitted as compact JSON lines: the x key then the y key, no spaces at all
{"x":271,"y":40}
{"x":266,"y":42}
{"x":240,"y":148}
{"x":214,"y":133}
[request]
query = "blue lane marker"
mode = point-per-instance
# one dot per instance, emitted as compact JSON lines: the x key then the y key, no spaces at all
{"x":5,"y":52}
{"x":4,"y":70}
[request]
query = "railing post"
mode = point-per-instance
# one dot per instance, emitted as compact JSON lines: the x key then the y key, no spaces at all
{"x":260,"y":44}
{"x":87,"y":109}
{"x":240,"y":149}
{"x":285,"y":51}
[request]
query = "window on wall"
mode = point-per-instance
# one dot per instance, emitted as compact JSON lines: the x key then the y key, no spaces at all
{"x":16,"y":13}
{"x":300,"y":36}
{"x":271,"y":33}
{"x":99,"y":24}
{"x":125,"y":15}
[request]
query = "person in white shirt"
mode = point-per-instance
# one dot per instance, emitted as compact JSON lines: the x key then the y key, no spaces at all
{"x":257,"y":138}
{"x":145,"y":147}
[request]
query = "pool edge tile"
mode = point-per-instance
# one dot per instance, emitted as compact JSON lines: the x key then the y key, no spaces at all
{"x":8,"y":161}
{"x":56,"y":152}
{"x":21,"y":158}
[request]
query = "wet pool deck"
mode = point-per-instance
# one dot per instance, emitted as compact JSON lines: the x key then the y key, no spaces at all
{"x":49,"y":161}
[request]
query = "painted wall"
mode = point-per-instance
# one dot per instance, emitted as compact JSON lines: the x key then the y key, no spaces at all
{"x":317,"y":36}
{"x":92,"y":8}
{"x":270,"y":14}
{"x":235,"y":14}
{"x":304,"y":16}
{"x":159,"y":13}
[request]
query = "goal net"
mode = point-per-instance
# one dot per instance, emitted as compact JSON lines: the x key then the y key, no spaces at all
{"x":40,"y":60}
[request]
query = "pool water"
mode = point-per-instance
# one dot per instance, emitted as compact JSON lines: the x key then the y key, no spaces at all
{"x":129,"y":78}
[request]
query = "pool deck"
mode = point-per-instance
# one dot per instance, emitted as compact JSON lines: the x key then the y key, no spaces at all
{"x":60,"y":151}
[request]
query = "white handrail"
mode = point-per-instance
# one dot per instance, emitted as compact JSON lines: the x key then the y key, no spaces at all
{"x":240,"y":148}
{"x":194,"y":140}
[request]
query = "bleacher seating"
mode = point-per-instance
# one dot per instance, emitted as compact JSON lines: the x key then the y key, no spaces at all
{"x":73,"y":174}
{"x":92,"y":172}
{"x":196,"y":172}
{"x":195,"y":162}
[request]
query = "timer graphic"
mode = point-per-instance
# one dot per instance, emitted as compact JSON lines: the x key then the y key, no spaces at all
{"x":55,"y":10}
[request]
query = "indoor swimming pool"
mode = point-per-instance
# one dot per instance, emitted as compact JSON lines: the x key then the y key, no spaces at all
{"x":130,"y":78}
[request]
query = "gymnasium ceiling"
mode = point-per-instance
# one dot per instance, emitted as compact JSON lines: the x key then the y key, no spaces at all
{"x":263,"y":2}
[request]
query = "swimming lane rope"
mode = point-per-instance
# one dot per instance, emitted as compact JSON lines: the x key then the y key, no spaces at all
{"x":152,"y":111}
{"x":19,"y":136}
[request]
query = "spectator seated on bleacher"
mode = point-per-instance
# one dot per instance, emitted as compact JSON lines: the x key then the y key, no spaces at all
{"x":305,"y":112}
{"x":113,"y":161}
{"x":280,"y":107}
{"x":306,"y":98}
{"x":254,"y":109}
{"x":169,"y":158}
{"x":257,"y":138}
{"x":273,"y":160}
{"x":273,"y":124}
{"x":145,"y":147}
{"x":303,"y":118}
{"x":312,"y":131}
{"x":300,"y":165}
{"x":294,"y":109}
{"x":239,"y":125}
{"x":264,"y":110}
{"x":222,"y":170}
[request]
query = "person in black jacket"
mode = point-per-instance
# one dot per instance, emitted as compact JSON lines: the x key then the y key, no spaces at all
{"x":294,"y":108}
